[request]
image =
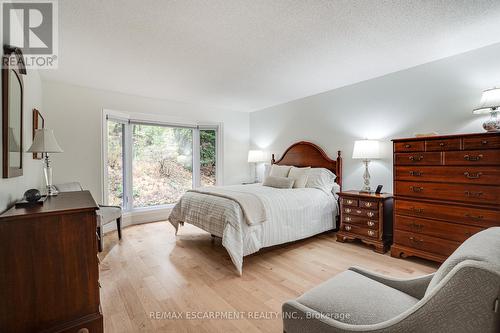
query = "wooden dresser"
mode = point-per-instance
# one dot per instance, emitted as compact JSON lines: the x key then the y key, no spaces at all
{"x":446,"y":189}
{"x":367,"y":217}
{"x":49,"y":267}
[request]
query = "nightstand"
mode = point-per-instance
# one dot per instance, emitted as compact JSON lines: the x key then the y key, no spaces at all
{"x":367,"y":217}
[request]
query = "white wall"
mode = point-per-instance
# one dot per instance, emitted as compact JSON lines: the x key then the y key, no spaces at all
{"x":75,"y":115}
{"x":12,"y":189}
{"x":438,"y":96}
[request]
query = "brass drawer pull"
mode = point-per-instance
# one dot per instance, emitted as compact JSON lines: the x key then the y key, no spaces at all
{"x":358,"y":211}
{"x":416,"y":226}
{"x":347,"y":227}
{"x":370,"y":214}
{"x":370,"y":223}
{"x":407,"y":145}
{"x":417,"y":210}
{"x":416,"y":241}
{"x":472,"y":175}
{"x":347,"y":219}
{"x":484,"y":142}
{"x":416,"y":158}
{"x":416,"y":188}
{"x":349,"y":202}
{"x":473,"y":158}
{"x":442,"y":144}
{"x":473,"y":194}
{"x":371,"y":233}
{"x":474,"y":217}
{"x":368,"y":204}
{"x":347,"y":210}
{"x":416,"y":173}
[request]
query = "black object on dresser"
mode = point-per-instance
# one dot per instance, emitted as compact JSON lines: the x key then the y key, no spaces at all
{"x":446,"y":189}
{"x":49,"y":267}
{"x":367,"y":217}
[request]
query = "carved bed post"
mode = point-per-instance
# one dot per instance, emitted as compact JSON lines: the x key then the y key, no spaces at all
{"x":339,"y":169}
{"x":272,"y":159}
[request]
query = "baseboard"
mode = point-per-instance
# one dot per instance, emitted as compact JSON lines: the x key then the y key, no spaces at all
{"x":140,"y":217}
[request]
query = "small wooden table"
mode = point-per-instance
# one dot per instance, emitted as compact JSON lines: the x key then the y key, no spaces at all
{"x":367,"y":217}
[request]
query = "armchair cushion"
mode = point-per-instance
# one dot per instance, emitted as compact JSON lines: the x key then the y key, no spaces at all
{"x":352,"y":298}
{"x":108,"y":214}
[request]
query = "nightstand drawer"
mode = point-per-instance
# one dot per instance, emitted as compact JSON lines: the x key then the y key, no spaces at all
{"x":350,"y":202}
{"x":358,"y":230}
{"x":474,"y":157}
{"x":370,"y":204}
{"x":373,"y":214}
{"x":362,"y":221}
{"x":492,"y":142}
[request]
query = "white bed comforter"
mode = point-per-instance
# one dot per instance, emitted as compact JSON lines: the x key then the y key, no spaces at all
{"x":291,"y":214}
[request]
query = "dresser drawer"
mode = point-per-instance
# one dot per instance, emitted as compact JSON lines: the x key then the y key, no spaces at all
{"x":417,"y":159}
{"x":443,"y":144}
{"x":361,"y":221}
{"x":369,"y":204}
{"x":485,"y":175}
{"x":450,"y":231}
{"x":358,"y":230}
{"x":479,"y":194}
{"x":425,"y":243}
{"x":351,"y":202}
{"x":485,"y":142}
{"x":479,"y":217}
{"x":369,"y":213}
{"x":474,"y":157}
{"x":401,"y":147}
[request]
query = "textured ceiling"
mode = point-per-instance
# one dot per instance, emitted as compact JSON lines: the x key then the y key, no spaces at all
{"x":246,"y":55}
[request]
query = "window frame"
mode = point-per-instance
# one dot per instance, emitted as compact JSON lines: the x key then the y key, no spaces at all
{"x":128,"y":120}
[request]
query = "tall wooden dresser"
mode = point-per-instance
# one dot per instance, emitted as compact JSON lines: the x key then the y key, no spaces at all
{"x":446,"y":189}
{"x":49,"y":267}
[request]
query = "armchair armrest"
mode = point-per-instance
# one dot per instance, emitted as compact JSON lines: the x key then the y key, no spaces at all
{"x":415,"y":287}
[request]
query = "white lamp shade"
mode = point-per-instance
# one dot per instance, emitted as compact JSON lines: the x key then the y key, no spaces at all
{"x":490,"y":101}
{"x":45,"y":142}
{"x":256,"y":156}
{"x":366,"y":150}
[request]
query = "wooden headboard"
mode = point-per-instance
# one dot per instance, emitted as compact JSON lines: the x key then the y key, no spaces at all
{"x":304,"y":154}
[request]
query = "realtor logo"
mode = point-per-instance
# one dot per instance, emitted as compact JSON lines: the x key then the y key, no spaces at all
{"x":32,"y":27}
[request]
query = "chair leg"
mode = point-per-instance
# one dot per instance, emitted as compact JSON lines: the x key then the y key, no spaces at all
{"x":99,"y":239}
{"x":119,"y":227}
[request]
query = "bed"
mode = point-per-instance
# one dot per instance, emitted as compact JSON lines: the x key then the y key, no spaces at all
{"x":250,"y":217}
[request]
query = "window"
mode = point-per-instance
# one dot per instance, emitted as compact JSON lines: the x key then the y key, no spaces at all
{"x":149,"y":164}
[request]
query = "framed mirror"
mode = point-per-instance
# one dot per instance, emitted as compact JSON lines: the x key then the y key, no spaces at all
{"x":38,"y":123}
{"x":12,"y":112}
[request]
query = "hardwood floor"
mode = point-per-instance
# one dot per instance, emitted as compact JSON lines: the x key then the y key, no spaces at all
{"x":152,"y":271}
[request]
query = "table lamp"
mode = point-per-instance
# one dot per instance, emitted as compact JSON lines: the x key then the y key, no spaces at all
{"x":490,"y":103}
{"x":366,"y":150}
{"x":45,"y":143}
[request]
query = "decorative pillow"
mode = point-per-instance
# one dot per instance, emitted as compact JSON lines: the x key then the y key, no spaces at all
{"x":279,"y":170}
{"x":267,"y":170}
{"x":300,"y":175}
{"x":278,"y":182}
{"x":321,"y":178}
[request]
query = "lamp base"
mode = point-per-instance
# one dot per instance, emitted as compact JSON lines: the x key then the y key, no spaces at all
{"x":52,"y":191}
{"x":493,"y":124}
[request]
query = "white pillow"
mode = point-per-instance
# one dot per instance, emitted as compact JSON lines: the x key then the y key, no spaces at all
{"x":279,"y":170}
{"x":300,"y":175}
{"x":321,"y":178}
{"x":278,"y":182}
{"x":267,"y":170}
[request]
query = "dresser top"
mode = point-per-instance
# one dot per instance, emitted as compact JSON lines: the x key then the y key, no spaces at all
{"x":64,"y":202}
{"x":449,"y":136}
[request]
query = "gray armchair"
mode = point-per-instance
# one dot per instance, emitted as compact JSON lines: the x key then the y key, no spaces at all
{"x":105,"y":214}
{"x":462,"y":296}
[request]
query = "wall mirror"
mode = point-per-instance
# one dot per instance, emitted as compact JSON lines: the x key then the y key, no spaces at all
{"x":12,"y":112}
